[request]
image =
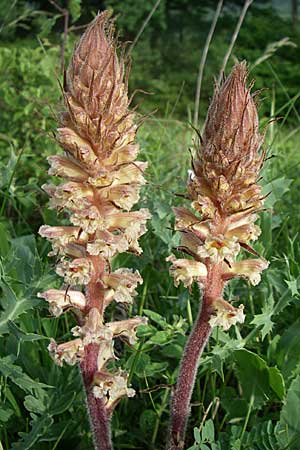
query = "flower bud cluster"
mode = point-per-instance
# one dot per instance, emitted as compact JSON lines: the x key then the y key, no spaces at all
{"x":225,"y":197}
{"x":101,"y":184}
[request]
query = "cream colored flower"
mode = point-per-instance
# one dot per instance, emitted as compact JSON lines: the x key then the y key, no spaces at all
{"x":112,"y":387}
{"x":219,"y":248}
{"x":225,"y":315}
{"x":248,"y":268}
{"x":68,"y":352}
{"x":75,"y":272}
{"x":186,"y":270}
{"x":123,"y":282}
{"x":60,"y":300}
{"x":127,"y":328}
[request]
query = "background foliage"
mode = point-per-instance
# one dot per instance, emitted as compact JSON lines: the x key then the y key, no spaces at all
{"x":248,"y":387}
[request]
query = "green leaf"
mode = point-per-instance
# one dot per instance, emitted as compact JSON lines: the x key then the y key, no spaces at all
{"x":17,"y":376}
{"x":208,"y":431}
{"x":75,"y":9}
{"x":256,"y":378}
{"x":288,"y":428}
{"x":138,"y":363}
{"x":277,"y":382}
{"x":21,"y":335}
{"x":5,"y":414}
{"x":147,"y":421}
{"x":161,"y":337}
{"x":14,"y":307}
{"x":197,"y":435}
{"x":288,"y":349}
{"x":277,"y":188}
{"x":39,"y":427}
{"x":155,"y":317}
{"x":293,"y":286}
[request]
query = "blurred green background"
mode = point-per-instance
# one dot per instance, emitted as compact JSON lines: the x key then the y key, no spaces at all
{"x":247,"y":392}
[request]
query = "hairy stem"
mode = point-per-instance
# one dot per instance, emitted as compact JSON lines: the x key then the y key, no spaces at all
{"x":99,"y":417}
{"x":180,"y":407}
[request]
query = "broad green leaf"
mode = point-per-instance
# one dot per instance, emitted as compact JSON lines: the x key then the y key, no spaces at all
{"x":288,"y":428}
{"x":161,"y":337}
{"x":5,"y":414}
{"x":155,"y":317}
{"x":197,"y":435}
{"x":208,"y":431}
{"x":277,"y":188}
{"x":277,"y":382}
{"x":256,"y":379}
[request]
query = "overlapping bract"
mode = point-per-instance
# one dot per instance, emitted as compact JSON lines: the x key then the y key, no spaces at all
{"x":225,"y":195}
{"x":102,"y":184}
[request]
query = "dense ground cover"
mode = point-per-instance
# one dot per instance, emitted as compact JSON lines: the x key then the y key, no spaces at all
{"x":249,"y":378}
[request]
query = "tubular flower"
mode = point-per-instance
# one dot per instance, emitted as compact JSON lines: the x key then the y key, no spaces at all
{"x":225,"y":198}
{"x":223,"y":190}
{"x":101,"y":184}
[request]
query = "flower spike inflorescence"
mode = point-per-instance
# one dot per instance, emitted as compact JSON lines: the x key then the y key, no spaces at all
{"x":226,"y":198}
{"x":102,"y":183}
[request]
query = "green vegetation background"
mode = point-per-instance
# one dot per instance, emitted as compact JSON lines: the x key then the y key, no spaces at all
{"x":247,"y":392}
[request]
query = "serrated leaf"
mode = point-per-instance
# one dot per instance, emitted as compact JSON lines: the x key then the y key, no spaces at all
{"x":14,"y":307}
{"x":21,"y":335}
{"x":293,"y":286}
{"x":39,"y":427}
{"x":17,"y":376}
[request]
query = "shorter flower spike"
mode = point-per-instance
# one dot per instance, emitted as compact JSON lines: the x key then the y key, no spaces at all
{"x":225,"y":197}
{"x":101,"y":182}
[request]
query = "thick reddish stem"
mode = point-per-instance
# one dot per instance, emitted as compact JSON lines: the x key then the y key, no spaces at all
{"x":99,"y":416}
{"x":189,"y":363}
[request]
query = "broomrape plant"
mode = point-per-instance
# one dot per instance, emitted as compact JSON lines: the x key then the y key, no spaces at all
{"x":225,"y":197}
{"x":103,"y":179}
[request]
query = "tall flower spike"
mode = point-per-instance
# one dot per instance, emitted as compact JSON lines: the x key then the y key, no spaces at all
{"x":225,"y":196}
{"x":102,"y":183}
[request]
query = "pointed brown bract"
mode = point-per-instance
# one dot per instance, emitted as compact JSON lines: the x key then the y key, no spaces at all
{"x":225,"y":197}
{"x":101,"y":184}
